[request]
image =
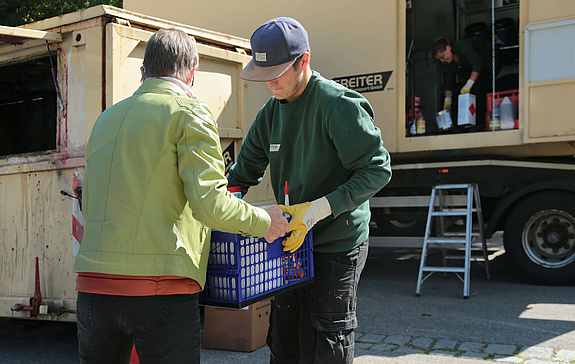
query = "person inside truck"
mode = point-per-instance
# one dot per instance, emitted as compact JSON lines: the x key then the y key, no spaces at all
{"x":466,"y":69}
{"x":320,"y":138}
{"x":154,"y":182}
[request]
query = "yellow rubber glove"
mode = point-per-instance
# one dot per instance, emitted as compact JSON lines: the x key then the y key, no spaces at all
{"x":297,"y":228}
{"x":303,"y":217}
{"x":467,"y":87}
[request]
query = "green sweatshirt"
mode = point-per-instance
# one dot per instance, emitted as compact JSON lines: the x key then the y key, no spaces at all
{"x":324,"y":143}
{"x":474,"y":56}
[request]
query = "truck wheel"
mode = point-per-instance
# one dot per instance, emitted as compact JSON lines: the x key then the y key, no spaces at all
{"x":397,"y":227}
{"x":539,"y":238}
{"x":389,"y":223}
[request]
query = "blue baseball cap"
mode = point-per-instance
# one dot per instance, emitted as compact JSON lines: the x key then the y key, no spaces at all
{"x":275,"y":47}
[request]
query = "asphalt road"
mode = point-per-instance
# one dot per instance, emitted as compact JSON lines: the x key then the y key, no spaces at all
{"x":503,"y":311}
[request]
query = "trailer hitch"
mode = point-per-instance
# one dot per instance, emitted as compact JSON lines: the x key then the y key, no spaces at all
{"x":36,"y":307}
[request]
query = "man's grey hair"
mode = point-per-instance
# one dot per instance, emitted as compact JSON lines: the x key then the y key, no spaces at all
{"x":172,"y":53}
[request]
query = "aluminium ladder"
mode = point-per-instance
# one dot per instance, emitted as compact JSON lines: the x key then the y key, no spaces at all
{"x":453,"y":240}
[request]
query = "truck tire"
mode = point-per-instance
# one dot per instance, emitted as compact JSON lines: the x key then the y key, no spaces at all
{"x":539,"y":238}
{"x":411,"y":223}
{"x":395,"y":227}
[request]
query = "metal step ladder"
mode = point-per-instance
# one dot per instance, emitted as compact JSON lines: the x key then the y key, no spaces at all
{"x":440,"y":210}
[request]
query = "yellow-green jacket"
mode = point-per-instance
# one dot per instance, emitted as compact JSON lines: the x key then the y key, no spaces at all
{"x":154,"y":181}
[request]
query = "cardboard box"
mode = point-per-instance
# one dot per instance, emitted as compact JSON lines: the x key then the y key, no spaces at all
{"x":234,"y":329}
{"x":467,"y":110}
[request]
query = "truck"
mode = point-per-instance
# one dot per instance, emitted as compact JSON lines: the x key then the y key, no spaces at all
{"x":382,"y":49}
{"x":59,"y":74}
{"x":56,"y":77}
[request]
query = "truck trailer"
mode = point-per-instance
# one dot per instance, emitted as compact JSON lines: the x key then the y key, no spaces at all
{"x":382,"y":49}
{"x":56,"y":77}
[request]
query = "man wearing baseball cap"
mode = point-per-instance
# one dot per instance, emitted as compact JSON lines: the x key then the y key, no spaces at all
{"x":319,"y":137}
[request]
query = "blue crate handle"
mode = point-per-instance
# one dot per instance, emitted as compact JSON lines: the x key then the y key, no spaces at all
{"x":220,"y":236}
{"x":225,"y":237}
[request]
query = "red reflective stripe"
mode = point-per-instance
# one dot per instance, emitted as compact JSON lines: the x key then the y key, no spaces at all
{"x":77,"y":229}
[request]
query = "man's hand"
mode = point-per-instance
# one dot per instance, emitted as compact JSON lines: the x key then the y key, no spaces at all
{"x":303,"y":217}
{"x":279,"y":225}
{"x":297,"y":227}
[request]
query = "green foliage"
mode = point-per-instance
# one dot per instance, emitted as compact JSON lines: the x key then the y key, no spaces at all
{"x":18,"y":12}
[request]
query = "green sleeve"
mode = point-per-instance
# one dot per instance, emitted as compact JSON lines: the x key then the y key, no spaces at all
{"x":201,"y":168}
{"x":360,"y":149}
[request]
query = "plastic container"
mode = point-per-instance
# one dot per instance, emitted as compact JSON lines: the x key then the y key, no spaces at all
{"x":466,"y":110}
{"x":236,"y":191}
{"x":479,"y":31}
{"x":507,"y":114}
{"x":420,"y":125}
{"x":499,"y":96}
{"x":443,"y":120}
{"x":495,"y":122}
{"x":505,"y":30}
{"x":244,"y":270}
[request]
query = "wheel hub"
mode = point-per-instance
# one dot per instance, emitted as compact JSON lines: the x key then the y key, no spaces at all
{"x":554,"y":237}
{"x":549,"y":238}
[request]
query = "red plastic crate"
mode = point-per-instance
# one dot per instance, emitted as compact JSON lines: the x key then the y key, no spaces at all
{"x":499,"y":96}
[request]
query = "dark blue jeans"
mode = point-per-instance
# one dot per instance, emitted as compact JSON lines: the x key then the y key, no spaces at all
{"x":165,"y":329}
{"x":315,"y":323}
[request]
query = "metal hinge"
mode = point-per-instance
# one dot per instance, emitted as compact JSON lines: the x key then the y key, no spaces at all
{"x":123,"y":22}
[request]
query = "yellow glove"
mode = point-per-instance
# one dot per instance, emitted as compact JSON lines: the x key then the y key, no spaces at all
{"x":303,"y":217}
{"x":297,"y":228}
{"x":467,"y":87}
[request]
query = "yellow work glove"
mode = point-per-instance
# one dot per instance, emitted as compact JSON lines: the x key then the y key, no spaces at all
{"x":297,"y":228}
{"x":447,"y":103}
{"x":303,"y":217}
{"x":467,"y":87}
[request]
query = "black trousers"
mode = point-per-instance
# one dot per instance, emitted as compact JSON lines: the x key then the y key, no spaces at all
{"x":165,"y":329}
{"x":315,"y":323}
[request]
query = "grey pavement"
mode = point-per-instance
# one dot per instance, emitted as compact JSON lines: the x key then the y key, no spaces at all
{"x":372,"y":348}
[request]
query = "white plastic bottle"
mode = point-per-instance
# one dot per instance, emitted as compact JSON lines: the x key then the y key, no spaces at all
{"x":507,"y":114}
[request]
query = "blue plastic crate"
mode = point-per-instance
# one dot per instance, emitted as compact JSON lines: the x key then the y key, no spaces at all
{"x":243,"y":270}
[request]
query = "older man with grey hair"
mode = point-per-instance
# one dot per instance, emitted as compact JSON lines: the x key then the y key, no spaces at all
{"x":154,"y":183}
